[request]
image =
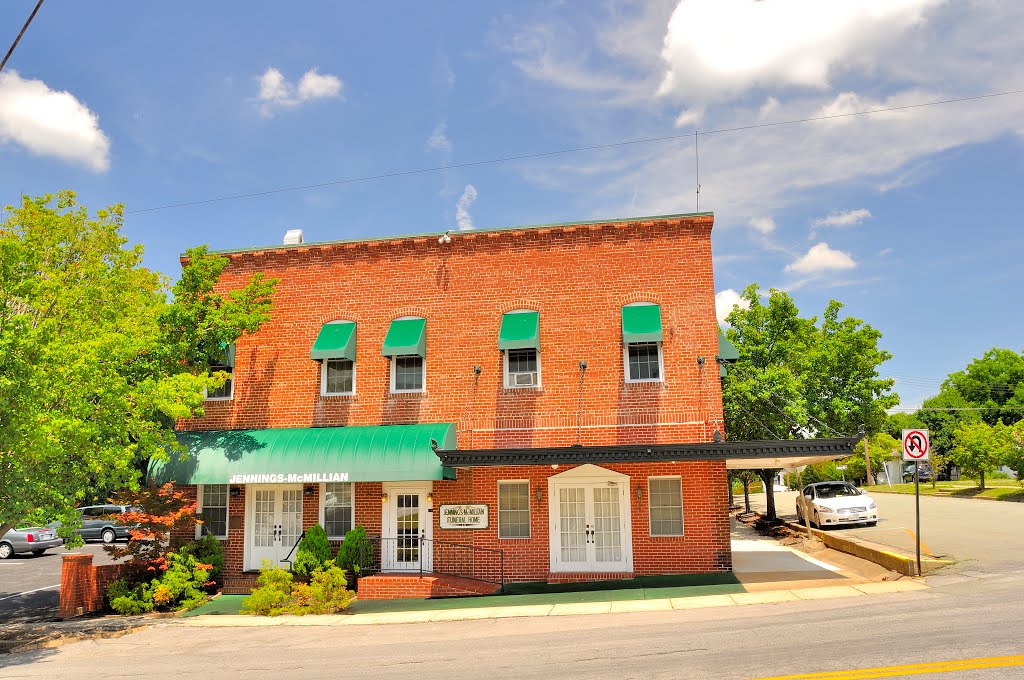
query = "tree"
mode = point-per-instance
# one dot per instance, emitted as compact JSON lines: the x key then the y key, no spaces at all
{"x":96,"y":365}
{"x":883,"y":448}
{"x":1013,"y":454}
{"x":979,"y":448}
{"x":797,"y":378}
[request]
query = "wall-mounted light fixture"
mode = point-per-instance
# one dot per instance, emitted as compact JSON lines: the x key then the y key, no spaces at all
{"x":308,"y":491}
{"x":383,"y":498}
{"x":540,"y":494}
{"x":235,"y":491}
{"x":430,"y":497}
{"x":639,"y":492}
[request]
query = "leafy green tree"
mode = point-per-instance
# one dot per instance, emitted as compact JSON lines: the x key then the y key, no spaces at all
{"x":1013,"y":454}
{"x":882,"y":447}
{"x":96,"y":365}
{"x":993,"y":383}
{"x":979,"y":448}
{"x":797,"y":377}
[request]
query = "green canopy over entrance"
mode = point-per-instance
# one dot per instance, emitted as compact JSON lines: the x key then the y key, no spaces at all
{"x":358,"y":453}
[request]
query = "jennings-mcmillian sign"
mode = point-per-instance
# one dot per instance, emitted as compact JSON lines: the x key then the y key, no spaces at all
{"x":463,"y":517}
{"x":289,"y":478}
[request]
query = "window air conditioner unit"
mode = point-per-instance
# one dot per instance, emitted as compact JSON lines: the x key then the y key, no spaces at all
{"x":524,"y":379}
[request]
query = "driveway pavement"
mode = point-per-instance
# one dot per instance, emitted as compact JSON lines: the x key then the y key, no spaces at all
{"x":979,"y":535}
{"x":30,"y":586}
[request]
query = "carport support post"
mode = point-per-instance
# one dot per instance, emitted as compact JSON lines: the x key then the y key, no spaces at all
{"x":800,"y":500}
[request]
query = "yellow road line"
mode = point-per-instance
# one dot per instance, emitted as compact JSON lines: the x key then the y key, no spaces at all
{"x":913,"y":536}
{"x":909,"y":669}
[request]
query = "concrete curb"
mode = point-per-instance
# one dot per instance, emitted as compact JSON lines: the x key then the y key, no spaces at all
{"x":565,"y":609}
{"x":882,"y":555}
{"x":963,"y":498}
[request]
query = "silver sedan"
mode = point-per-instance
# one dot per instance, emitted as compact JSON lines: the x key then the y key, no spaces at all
{"x":35,"y":540}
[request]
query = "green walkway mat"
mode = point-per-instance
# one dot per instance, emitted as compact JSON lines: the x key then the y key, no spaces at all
{"x":520,"y":594}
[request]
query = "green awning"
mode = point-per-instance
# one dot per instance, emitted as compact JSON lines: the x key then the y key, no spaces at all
{"x":727,"y":353}
{"x":336,"y":341}
{"x":358,"y":453}
{"x":519,"y":330}
{"x":227,"y":354}
{"x":406,"y":337}
{"x":641,"y":323}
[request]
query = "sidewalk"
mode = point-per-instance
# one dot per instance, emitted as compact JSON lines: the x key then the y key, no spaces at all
{"x":765,"y":572}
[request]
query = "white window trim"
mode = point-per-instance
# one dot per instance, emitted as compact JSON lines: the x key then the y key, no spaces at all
{"x":199,"y":509}
{"x":510,"y":386}
{"x":529,"y":509}
{"x":394,"y":362}
{"x":207,"y":397}
{"x":323,"y":381}
{"x":682,"y":513}
{"x":323,"y":508}
{"x":661,"y":364}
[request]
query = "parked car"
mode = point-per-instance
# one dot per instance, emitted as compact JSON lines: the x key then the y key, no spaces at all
{"x":925,"y":475}
{"x":834,"y":504}
{"x":99,"y":522}
{"x":35,"y":540}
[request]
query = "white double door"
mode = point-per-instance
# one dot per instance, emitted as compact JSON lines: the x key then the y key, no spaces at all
{"x":590,"y":522}
{"x":274,"y":522}
{"x":407,"y":528}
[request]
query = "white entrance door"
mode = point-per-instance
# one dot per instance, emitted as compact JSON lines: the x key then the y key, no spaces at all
{"x":590,"y":522}
{"x":406,"y":544}
{"x":274,"y":522}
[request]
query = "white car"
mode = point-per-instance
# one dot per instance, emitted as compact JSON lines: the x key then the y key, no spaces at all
{"x":834,"y":504}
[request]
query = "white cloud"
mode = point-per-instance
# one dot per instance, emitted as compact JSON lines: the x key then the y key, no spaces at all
{"x":51,"y":123}
{"x":277,"y":92}
{"x":765,"y":225}
{"x":821,"y":258}
{"x":689,"y":117}
{"x":717,"y":49}
{"x":848,"y":218}
{"x":725,"y":301}
{"x":462,"y":216}
{"x":316,"y":86}
{"x":438,"y":140}
{"x":886,"y":251}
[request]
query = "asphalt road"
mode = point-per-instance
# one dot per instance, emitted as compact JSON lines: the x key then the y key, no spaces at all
{"x":986,"y":536}
{"x":30,"y":586}
{"x":971,"y":619}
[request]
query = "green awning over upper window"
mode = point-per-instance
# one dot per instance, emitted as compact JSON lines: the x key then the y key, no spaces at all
{"x":641,"y":323}
{"x":406,"y":337}
{"x":336,"y":341}
{"x":227,"y":354}
{"x":727,"y":352}
{"x":519,"y":330}
{"x":304,"y":455}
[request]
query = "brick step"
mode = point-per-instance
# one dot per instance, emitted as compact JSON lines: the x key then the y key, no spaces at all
{"x":239,"y":585}
{"x":398,"y":586}
{"x":577,"y":577}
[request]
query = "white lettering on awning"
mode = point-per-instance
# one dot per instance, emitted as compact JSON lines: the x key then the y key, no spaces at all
{"x":289,"y":478}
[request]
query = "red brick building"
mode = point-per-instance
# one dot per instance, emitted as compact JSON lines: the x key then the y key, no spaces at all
{"x":535,"y":403}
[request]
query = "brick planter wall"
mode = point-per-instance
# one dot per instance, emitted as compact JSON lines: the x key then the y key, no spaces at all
{"x":83,"y":586}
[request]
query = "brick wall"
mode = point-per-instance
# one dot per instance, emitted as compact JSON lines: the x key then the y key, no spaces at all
{"x":83,"y":586}
{"x":578,"y":278}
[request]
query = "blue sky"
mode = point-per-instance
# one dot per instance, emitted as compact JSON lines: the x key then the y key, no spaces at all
{"x":911,"y":218}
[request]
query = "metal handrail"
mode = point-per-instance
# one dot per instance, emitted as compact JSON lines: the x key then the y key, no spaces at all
{"x":287,"y":558}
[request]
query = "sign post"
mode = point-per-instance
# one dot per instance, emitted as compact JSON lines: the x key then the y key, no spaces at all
{"x":915,"y":448}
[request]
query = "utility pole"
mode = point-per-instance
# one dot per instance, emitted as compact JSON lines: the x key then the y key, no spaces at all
{"x":867,"y":461}
{"x":18,"y":39}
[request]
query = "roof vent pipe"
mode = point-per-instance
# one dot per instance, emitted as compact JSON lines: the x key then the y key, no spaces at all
{"x":293,"y":237}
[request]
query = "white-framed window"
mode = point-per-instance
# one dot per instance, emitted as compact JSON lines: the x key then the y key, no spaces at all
{"x":337,"y":376}
{"x":227,"y":364}
{"x":644,"y":362}
{"x":522,"y":368}
{"x":338,"y":509}
{"x":665,"y":502}
{"x":213,"y":505}
{"x":514,"y":509}
{"x":408,"y":373}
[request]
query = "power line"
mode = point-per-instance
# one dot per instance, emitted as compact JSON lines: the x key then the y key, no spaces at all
{"x":560,"y":152}
{"x":18,"y":39}
{"x":959,"y":408}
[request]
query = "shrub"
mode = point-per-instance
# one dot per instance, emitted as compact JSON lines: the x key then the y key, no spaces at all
{"x":999,"y":474}
{"x":180,"y":586}
{"x":276,"y":593}
{"x":208,"y":550}
{"x":313,"y":553}
{"x":272,"y":593}
{"x":127,"y":599}
{"x":353,"y":553}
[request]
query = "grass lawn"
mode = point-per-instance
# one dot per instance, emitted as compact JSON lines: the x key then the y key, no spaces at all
{"x":997,"y":489}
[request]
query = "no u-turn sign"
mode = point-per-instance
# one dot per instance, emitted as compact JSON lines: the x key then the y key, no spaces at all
{"x":915,"y":445}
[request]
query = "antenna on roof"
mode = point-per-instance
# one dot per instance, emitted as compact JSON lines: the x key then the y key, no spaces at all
{"x":696,"y":156}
